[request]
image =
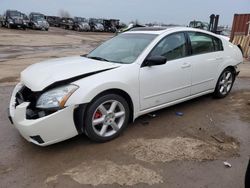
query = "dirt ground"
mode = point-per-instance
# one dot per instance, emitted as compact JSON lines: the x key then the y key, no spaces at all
{"x":162,"y":151}
{"x":19,"y":49}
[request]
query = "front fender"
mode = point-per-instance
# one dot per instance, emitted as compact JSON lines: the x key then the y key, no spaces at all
{"x":86,"y":95}
{"x":90,"y":87}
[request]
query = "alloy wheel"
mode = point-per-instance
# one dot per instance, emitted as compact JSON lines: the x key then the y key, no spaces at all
{"x":226,"y":82}
{"x":108,"y":118}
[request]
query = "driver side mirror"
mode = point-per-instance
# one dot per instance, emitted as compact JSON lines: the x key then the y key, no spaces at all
{"x":155,"y":60}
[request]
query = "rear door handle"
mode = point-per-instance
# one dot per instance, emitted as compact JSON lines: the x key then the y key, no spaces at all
{"x":185,"y":65}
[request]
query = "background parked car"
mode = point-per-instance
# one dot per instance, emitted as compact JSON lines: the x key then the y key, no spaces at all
{"x":96,"y":24}
{"x":81,"y":24}
{"x":110,"y":25}
{"x":67,"y":23}
{"x":1,"y":20}
{"x":37,"y":21}
{"x":13,"y":19}
{"x":25,"y":19}
{"x":54,"y":21}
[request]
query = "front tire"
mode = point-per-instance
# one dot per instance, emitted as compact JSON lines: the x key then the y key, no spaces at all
{"x":106,"y":117}
{"x":9,"y":26}
{"x":224,"y":83}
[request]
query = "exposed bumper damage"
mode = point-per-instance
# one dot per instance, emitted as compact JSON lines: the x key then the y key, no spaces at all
{"x":46,"y":130}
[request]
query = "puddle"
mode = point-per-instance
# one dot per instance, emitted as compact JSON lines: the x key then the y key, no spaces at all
{"x":179,"y":148}
{"x":107,"y":172}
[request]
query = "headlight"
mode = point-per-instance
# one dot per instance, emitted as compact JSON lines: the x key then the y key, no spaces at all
{"x":56,"y":98}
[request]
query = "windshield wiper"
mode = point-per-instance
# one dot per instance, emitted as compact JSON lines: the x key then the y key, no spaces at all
{"x":98,"y":58}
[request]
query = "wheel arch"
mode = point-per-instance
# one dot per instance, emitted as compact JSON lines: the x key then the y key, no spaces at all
{"x":216,"y":93}
{"x":239,"y":46}
{"x":80,"y":111}
{"x":232,"y":68}
{"x":121,"y":93}
{"x":223,"y":69}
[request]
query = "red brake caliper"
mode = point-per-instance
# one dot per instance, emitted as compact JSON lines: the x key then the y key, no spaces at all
{"x":98,"y":114}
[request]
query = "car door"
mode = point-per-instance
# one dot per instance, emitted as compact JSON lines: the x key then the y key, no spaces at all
{"x":207,"y":54}
{"x":168,"y":82}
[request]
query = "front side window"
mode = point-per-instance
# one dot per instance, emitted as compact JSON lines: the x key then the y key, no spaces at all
{"x":202,"y":43}
{"x":124,"y":48}
{"x":172,"y":47}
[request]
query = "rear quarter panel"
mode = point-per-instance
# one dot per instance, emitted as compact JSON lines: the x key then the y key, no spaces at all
{"x":231,"y":54}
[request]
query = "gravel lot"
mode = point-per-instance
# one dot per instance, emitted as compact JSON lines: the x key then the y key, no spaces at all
{"x":162,"y":151}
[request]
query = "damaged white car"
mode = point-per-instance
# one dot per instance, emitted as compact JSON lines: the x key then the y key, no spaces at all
{"x":132,"y":74}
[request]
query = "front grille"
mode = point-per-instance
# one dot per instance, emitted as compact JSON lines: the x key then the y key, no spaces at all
{"x":18,"y":21}
{"x":27,"y":95}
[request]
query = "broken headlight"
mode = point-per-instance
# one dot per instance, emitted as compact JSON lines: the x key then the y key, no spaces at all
{"x":56,"y":98}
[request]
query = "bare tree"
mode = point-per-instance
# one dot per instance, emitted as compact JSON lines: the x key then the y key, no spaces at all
{"x":64,"y":13}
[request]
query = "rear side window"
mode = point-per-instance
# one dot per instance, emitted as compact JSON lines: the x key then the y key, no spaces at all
{"x":203,"y":43}
{"x":217,"y":44}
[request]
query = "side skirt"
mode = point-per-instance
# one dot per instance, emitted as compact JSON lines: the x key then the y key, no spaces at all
{"x":172,"y":103}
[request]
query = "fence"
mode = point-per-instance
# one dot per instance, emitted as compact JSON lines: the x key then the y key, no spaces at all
{"x":244,"y":42}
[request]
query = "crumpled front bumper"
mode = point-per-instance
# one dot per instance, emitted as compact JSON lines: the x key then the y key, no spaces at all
{"x":46,"y":130}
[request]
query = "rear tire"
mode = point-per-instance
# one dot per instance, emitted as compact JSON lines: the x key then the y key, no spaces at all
{"x":106,"y":117}
{"x":224,"y":83}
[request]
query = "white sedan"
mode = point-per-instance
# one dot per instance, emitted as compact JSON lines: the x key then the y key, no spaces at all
{"x":132,"y":74}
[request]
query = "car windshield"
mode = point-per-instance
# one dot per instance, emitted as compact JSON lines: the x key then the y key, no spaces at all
{"x":15,"y":14}
{"x":99,"y":21}
{"x":81,"y":20}
{"x":124,"y":48}
{"x":38,"y":17}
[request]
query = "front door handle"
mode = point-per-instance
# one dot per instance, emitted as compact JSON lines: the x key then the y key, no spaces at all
{"x":185,"y":65}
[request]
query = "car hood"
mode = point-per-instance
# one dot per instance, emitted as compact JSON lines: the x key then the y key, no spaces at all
{"x":41,"y":75}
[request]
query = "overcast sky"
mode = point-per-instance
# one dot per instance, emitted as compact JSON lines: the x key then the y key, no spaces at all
{"x":174,"y":11}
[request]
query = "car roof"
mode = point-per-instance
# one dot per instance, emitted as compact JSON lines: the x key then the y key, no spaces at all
{"x":149,"y":28}
{"x":162,"y":30}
